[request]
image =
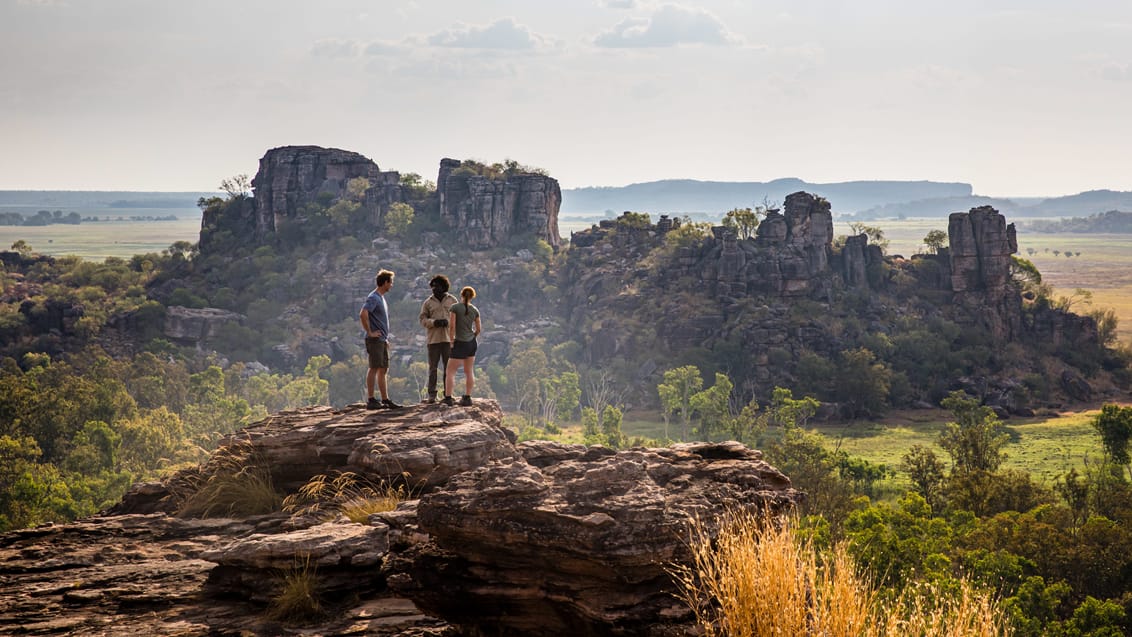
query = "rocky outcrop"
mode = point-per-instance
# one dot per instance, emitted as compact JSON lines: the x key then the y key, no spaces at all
{"x":190,"y":326}
{"x":485,"y":212}
{"x":980,"y":250}
{"x":290,"y":177}
{"x":498,"y":538}
{"x":980,"y":246}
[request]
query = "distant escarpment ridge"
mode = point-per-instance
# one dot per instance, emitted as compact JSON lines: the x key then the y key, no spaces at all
{"x":859,"y":199}
{"x":689,"y":195}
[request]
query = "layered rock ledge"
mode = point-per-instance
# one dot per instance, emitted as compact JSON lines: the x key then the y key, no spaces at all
{"x":534,"y":538}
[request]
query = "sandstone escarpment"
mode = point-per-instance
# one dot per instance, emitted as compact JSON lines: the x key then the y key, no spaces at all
{"x":485,"y":212}
{"x":498,"y":538}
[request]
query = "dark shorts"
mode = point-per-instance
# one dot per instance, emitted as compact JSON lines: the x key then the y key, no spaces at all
{"x":378,"y":353}
{"x":464,"y":349}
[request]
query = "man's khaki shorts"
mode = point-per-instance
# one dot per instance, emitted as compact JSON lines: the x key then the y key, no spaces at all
{"x":378,"y":351}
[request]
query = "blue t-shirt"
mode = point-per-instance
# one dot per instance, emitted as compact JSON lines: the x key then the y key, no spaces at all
{"x":378,"y":314}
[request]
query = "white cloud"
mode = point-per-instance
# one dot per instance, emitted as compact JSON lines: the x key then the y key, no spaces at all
{"x":670,"y":25}
{"x":504,"y":33}
{"x":379,"y":47}
{"x":335,"y":48}
{"x":1117,"y":72}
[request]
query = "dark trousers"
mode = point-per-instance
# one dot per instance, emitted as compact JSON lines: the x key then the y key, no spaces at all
{"x":437,"y":353}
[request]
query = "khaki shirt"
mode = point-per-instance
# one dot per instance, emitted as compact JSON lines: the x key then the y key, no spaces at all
{"x":433,"y":309}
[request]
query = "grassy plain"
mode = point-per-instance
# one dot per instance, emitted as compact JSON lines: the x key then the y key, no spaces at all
{"x":100,"y":239}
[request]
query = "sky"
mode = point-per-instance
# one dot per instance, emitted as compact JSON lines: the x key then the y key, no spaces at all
{"x":1016,"y":97}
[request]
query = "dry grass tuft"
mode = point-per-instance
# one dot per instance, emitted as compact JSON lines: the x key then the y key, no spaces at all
{"x":756,"y":578}
{"x":346,"y":493}
{"x":298,"y":598}
{"x":238,"y":485}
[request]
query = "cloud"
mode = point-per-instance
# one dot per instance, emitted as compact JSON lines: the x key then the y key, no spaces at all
{"x":1117,"y":72}
{"x":619,"y":4}
{"x":670,"y":25}
{"x":335,"y":48}
{"x":378,"y":47}
{"x":504,"y":33}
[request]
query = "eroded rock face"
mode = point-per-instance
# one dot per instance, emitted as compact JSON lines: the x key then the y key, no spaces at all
{"x":187,"y":325}
{"x":290,"y":177}
{"x":486,"y":212}
{"x":537,"y":538}
{"x":586,"y":535}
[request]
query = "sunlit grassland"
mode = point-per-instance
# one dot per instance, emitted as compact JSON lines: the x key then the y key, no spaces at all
{"x":100,"y":239}
{"x":1044,"y":447}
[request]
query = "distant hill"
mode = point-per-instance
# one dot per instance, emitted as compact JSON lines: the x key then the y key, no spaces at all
{"x":92,"y":201}
{"x":688,"y":195}
{"x":1111,"y":222}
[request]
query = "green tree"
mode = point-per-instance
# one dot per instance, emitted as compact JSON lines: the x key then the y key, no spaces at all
{"x":975,"y":439}
{"x":611,"y":428}
{"x":744,"y":222}
{"x":862,"y":383}
{"x":926,"y":471}
{"x":712,"y":405}
{"x":676,"y":392}
{"x":1114,"y":424}
{"x":935,"y":241}
{"x":398,"y":219}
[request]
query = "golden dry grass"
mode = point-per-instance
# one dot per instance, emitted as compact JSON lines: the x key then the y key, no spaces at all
{"x":347,"y":494}
{"x":756,"y":578}
{"x":237,"y":485}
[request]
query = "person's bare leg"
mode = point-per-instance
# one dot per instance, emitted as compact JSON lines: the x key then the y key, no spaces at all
{"x":450,"y":376}
{"x":469,"y":375}
{"x":371,"y":375}
{"x":381,"y":371}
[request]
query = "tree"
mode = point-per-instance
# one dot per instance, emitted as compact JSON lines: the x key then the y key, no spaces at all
{"x":875,"y":234}
{"x":743,"y":222}
{"x":975,"y":439}
{"x":611,"y":427}
{"x":862,"y":383}
{"x":23,"y":247}
{"x":236,"y":187}
{"x":398,"y":219}
{"x":1114,"y":424}
{"x":712,"y":405}
{"x":935,"y":241}
{"x":926,"y":471}
{"x":676,"y":393}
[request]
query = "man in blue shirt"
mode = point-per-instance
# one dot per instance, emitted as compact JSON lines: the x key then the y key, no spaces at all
{"x":375,"y":322}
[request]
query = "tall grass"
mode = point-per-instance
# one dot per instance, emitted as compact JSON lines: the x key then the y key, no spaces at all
{"x":238,"y":485}
{"x":346,"y":493}
{"x":298,"y":599}
{"x":757,"y":578}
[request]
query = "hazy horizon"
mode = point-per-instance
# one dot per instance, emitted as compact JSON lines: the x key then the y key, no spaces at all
{"x":1018,"y":98}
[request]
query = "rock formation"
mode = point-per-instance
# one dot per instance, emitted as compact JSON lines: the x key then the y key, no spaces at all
{"x":498,"y":538}
{"x":481,"y":212}
{"x":290,"y":177}
{"x":485,"y":212}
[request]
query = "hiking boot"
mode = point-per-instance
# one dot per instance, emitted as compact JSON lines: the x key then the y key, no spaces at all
{"x":466,"y":401}
{"x":373,"y":403}
{"x":389,"y":404}
{"x":448,"y":401}
{"x":431,"y":400}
